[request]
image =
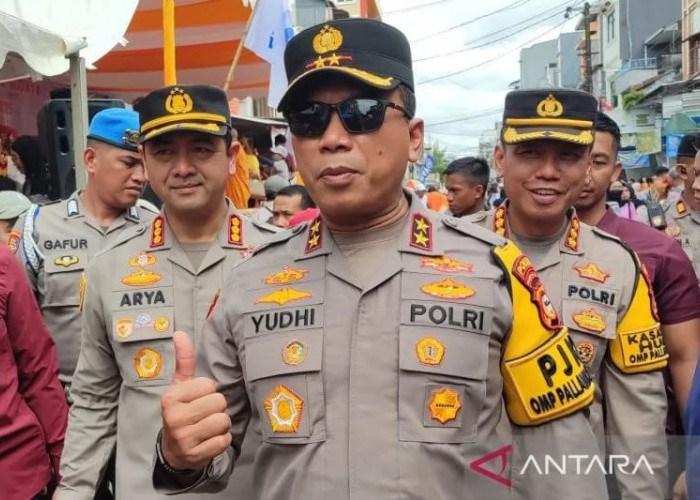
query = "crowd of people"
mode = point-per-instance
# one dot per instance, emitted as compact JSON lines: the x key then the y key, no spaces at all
{"x":339,"y":333}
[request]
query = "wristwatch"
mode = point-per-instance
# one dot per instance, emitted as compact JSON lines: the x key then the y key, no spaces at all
{"x":164,"y":463}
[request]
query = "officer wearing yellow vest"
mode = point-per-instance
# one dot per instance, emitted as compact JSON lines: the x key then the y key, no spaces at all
{"x":387,"y":352}
{"x":56,"y":241}
{"x":596,"y":282}
{"x":158,"y":277}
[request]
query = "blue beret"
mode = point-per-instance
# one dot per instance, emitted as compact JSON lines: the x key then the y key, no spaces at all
{"x":116,"y":126}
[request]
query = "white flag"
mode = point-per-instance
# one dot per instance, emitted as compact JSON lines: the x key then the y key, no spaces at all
{"x":268,"y":35}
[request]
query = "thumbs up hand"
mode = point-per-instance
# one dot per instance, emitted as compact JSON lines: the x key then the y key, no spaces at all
{"x":195,"y":426}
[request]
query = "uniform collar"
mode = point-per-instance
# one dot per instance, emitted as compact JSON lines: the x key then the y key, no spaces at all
{"x":75,"y":210}
{"x":232,"y":233}
{"x":570,"y":242}
{"x":417,"y":236}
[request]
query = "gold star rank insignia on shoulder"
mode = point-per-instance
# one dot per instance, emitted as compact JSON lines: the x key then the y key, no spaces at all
{"x":235,"y":233}
{"x":571,"y":241}
{"x":157,"y":231}
{"x":499,"y":222}
{"x":314,"y":236}
{"x":421,"y":232}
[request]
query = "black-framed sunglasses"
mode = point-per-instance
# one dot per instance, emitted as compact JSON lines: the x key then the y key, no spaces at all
{"x":358,"y":115}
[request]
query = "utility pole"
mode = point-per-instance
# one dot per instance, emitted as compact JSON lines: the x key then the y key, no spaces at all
{"x":588,"y":82}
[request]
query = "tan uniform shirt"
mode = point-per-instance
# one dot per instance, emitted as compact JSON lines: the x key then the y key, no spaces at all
{"x":597,"y":285}
{"x":57,"y":242}
{"x":684,"y":226}
{"x":394,"y":383}
{"x":138,"y":293}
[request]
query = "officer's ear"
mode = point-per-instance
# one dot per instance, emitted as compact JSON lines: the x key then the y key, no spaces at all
{"x":90,"y":159}
{"x":142,"y":154}
{"x":499,"y":154}
{"x":416,"y":133}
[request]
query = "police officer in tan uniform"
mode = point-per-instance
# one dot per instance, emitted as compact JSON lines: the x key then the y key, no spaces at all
{"x":159,"y":276}
{"x":386,"y":352}
{"x":56,"y":241}
{"x":683,"y":214}
{"x":596,"y":282}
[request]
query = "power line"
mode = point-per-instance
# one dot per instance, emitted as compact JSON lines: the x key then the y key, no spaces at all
{"x":513,"y":5}
{"x":464,"y":70}
{"x":481,"y":114}
{"x":415,"y":7}
{"x":510,"y":34}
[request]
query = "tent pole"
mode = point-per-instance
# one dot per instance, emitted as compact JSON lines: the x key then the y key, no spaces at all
{"x":239,"y":49}
{"x":79,"y":111}
{"x":169,"y":73}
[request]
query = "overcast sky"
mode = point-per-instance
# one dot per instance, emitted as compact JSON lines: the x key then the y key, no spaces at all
{"x":477,"y":92}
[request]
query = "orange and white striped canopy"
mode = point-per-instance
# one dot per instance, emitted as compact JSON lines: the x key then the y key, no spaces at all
{"x":207,"y":33}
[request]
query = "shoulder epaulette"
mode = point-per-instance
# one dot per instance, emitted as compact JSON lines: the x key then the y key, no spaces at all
{"x":281,"y":237}
{"x":474,"y":230}
{"x":32,"y":254}
{"x":603,"y":234}
{"x":147,"y":205}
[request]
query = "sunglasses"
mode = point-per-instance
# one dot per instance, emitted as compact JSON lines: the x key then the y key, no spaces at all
{"x":358,"y":116}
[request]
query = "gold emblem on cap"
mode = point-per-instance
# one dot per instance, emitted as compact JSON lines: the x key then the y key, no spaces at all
{"x":550,"y":107}
{"x":327,"y":40}
{"x":178,"y":101}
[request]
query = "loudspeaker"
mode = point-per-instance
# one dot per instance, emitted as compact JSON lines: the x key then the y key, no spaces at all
{"x":55,"y":123}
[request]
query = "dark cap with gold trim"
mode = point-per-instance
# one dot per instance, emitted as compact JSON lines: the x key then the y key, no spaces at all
{"x":366,"y":50}
{"x":201,"y":108}
{"x":557,"y":114}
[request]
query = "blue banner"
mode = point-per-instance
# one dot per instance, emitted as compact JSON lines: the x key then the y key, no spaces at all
{"x":672,"y":142}
{"x":426,"y":168}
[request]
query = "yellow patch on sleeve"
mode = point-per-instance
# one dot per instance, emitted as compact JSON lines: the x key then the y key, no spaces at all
{"x":639,"y":346}
{"x":543,"y":377}
{"x":83,"y":286}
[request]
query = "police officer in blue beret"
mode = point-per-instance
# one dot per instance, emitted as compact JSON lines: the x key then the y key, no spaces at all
{"x":56,"y":241}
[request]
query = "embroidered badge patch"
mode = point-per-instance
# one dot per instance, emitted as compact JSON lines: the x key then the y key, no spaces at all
{"x":446,"y":264}
{"x":525,"y":272}
{"x":586,"y":351}
{"x":161,"y":324}
{"x":590,"y":320}
{"x":294,"y":353}
{"x":673,"y":230}
{"x":499,"y":221}
{"x":314,"y":236}
{"x":421,"y":232}
{"x":124,"y":327}
{"x":13,"y":241}
{"x":448,"y":289}
{"x":142,"y":276}
{"x":282,"y":296}
{"x":681,"y":207}
{"x":66,"y":260}
{"x":592,"y":272}
{"x":235,"y":234}
{"x":157,"y":231}
{"x":573,"y":234}
{"x":284,"y":409}
{"x":430,"y":351}
{"x":285,"y":276}
{"x":444,"y":405}
{"x":148,"y":363}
